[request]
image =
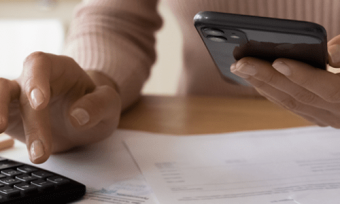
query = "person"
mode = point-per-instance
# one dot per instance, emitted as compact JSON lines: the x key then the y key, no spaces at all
{"x":61,"y":102}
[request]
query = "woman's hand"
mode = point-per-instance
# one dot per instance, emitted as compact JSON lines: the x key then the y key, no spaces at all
{"x":307,"y":91}
{"x":55,"y":106}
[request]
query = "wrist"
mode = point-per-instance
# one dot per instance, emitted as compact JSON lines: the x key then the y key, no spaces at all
{"x":100,"y":79}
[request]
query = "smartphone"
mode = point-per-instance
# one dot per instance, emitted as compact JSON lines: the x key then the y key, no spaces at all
{"x":230,"y":37}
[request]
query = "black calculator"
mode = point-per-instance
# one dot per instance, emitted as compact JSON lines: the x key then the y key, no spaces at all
{"x":26,"y":184}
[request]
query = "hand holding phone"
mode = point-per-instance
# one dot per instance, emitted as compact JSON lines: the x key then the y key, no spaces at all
{"x":297,"y":85}
{"x":231,"y":37}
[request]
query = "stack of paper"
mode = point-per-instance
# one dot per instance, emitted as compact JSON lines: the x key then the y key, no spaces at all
{"x":294,"y":166}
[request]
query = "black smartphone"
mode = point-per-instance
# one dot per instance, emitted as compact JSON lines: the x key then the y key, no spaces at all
{"x":230,"y":37}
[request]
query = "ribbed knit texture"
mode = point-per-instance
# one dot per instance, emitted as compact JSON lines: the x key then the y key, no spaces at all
{"x":117,"y":38}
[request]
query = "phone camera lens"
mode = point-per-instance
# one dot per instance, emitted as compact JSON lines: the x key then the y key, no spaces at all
{"x":217,"y":39}
{"x":213,"y":31}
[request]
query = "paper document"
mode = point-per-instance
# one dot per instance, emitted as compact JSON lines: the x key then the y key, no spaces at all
{"x":106,"y":168}
{"x":130,"y":191}
{"x":292,"y":166}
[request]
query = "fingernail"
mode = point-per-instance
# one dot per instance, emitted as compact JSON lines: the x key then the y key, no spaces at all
{"x":234,"y":71}
{"x":81,"y":116}
{"x":37,"y":97}
{"x":246,"y":68}
{"x":233,"y":67}
{"x":37,"y":149}
{"x":282,"y":68}
{"x":334,"y":53}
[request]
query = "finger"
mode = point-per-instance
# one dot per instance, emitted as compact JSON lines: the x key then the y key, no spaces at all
{"x":308,"y":118}
{"x":102,"y":105}
{"x":36,"y":75}
{"x":40,"y":79}
{"x":267,"y":76}
{"x":41,"y":73}
{"x":322,"y":83}
{"x":321,"y":116}
{"x":334,"y":51}
{"x":263,"y":71}
{"x":234,"y":70}
{"x":37,"y":129}
{"x":9,"y":91}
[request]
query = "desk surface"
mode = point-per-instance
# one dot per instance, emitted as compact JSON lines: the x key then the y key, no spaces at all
{"x":199,"y":115}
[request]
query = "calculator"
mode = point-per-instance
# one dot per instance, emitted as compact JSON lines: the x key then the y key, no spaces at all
{"x":25,"y":184}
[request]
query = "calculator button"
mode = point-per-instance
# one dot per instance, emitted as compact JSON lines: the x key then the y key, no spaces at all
{"x":9,"y":181}
{"x":26,"y":177}
{"x":26,"y":188}
{"x":59,"y":181}
{"x":11,"y":172}
{"x":2,"y":176}
{"x":8,"y":164}
{"x":2,"y":185}
{"x":9,"y":192}
{"x":41,"y":174}
{"x":43,"y":185}
{"x":26,"y":169}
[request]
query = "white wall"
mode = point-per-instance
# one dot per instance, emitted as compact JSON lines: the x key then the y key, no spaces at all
{"x":19,"y":38}
{"x":165,"y":73}
{"x":37,"y":9}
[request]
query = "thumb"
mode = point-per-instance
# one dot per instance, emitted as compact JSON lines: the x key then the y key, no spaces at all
{"x":102,"y":105}
{"x":99,"y":109}
{"x":334,"y":51}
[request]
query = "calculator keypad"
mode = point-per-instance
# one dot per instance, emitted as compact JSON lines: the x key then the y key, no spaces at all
{"x":40,"y":180}
{"x":18,"y":181}
{"x":14,"y":182}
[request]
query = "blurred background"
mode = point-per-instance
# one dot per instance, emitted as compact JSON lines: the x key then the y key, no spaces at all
{"x":41,"y":25}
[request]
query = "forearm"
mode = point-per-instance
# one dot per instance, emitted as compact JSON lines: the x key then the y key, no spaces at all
{"x":117,"y":39}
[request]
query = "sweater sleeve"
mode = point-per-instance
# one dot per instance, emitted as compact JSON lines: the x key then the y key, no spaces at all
{"x":116,"y":37}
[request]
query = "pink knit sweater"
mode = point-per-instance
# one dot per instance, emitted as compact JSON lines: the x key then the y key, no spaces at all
{"x":117,"y":38}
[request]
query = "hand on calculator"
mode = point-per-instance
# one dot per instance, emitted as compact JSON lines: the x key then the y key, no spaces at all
{"x":55,"y":105}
